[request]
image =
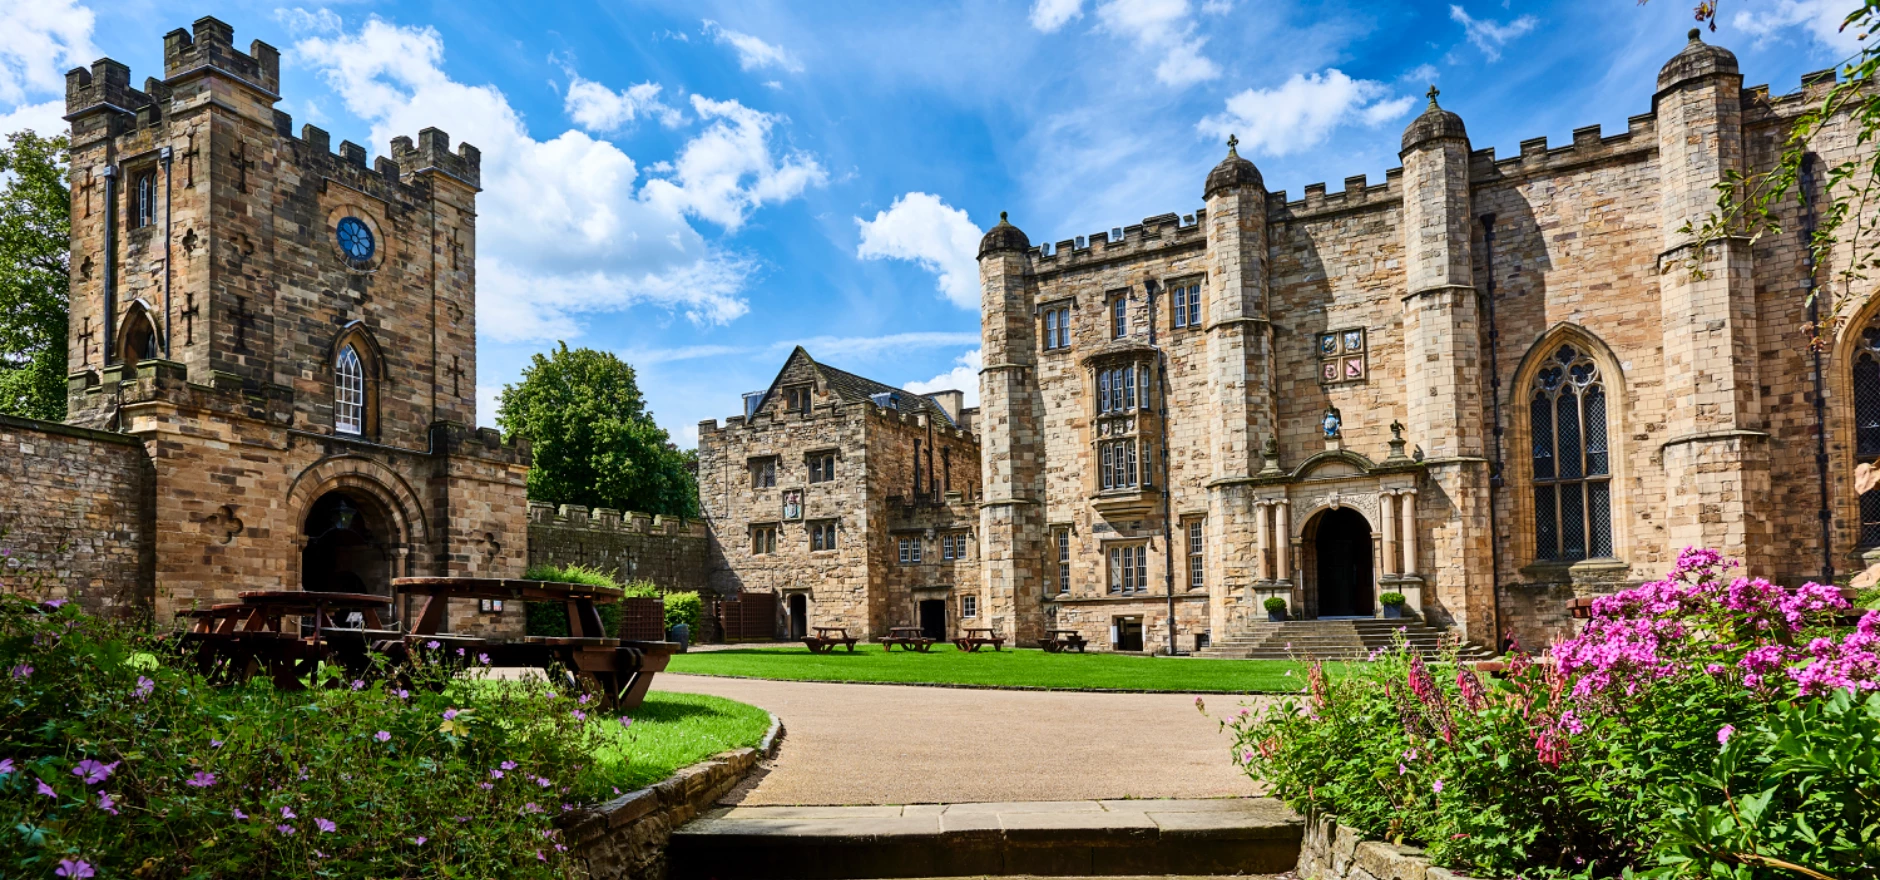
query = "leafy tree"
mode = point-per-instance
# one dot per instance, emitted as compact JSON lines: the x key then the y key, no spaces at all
{"x":35,"y":235}
{"x":594,"y":442}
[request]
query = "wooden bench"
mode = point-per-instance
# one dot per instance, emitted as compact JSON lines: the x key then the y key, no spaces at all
{"x":908,"y":638}
{"x":971,"y":640}
{"x":1061,"y":640}
{"x":823,"y":641}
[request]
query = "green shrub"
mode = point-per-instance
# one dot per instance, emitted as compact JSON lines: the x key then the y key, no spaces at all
{"x":116,"y":754}
{"x":551,"y":618}
{"x":642,"y":590}
{"x":1392,"y":598}
{"x":1275,"y":605}
{"x":571,"y":574}
{"x":684,"y":608}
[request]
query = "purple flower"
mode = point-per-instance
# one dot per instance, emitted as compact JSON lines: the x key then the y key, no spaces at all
{"x":286,"y":830}
{"x":358,"y":684}
{"x":144,"y":687}
{"x":325,"y":826}
{"x":74,"y":868}
{"x":460,"y":652}
{"x":625,"y":722}
{"x":215,"y":743}
{"x":401,"y":693}
{"x":288,"y":813}
{"x":92,"y":772}
{"x":540,"y":857}
{"x":1401,"y":769}
{"x":542,"y":781}
{"x":1437,"y":787}
{"x":107,"y":803}
{"x":509,"y":765}
{"x":1724,"y":733}
{"x":383,"y":736}
{"x":531,"y":807}
{"x":239,"y":814}
{"x":6,"y":766}
{"x":483,"y":659}
{"x":202,"y":780}
{"x":22,"y":671}
{"x":432,"y":645}
{"x":580,"y":715}
{"x":584,"y":699}
{"x":419,"y":840}
{"x":55,"y":604}
{"x":485,"y":786}
{"x":496,"y":774}
{"x":450,"y":714}
{"x":47,"y":790}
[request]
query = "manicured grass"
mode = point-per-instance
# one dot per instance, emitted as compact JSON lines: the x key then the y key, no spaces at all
{"x":673,"y":731}
{"x":1008,"y":668}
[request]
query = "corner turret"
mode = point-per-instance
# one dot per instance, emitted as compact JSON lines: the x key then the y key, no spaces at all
{"x":1233,"y":172}
{"x":1003,"y":237}
{"x":1698,"y":60}
{"x":1435,"y":123}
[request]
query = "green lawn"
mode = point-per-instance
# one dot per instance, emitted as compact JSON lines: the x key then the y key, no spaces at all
{"x":987,"y":668}
{"x":673,"y":731}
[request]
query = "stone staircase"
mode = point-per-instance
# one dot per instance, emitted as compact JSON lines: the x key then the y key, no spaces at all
{"x":1338,"y":639}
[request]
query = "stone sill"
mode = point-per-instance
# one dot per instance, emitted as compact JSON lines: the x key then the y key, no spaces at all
{"x":1331,"y":851}
{"x":1189,"y":596}
{"x":1137,"y":503}
{"x":1585,"y":571}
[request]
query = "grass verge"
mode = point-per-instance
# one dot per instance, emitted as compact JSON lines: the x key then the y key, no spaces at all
{"x":1024,"y":668}
{"x":673,"y":731}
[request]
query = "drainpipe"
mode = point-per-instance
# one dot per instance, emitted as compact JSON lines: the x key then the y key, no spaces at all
{"x":164,"y":154}
{"x":110,"y":264}
{"x":1494,"y":403}
{"x":1168,"y":516}
{"x":1823,"y":514}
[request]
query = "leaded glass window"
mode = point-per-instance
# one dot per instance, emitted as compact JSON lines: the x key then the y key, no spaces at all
{"x":1867,"y":425}
{"x":1119,"y":316}
{"x":1572,"y":460}
{"x":349,"y":392}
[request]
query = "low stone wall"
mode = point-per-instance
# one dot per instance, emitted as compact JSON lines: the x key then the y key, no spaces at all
{"x":78,"y":520}
{"x":1331,"y":851}
{"x":630,"y":546}
{"x":625,"y":838}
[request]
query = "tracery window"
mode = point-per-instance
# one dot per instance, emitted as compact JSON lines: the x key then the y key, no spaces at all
{"x":1867,"y":424}
{"x":349,"y":392}
{"x":1122,"y":451}
{"x":1572,"y":462}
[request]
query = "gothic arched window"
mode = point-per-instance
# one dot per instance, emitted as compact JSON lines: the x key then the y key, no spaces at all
{"x":1867,"y":425}
{"x":139,"y":337}
{"x":349,"y":392}
{"x":1572,"y":463}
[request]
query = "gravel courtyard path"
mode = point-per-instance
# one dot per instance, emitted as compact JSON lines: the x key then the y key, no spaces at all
{"x":898,"y":744}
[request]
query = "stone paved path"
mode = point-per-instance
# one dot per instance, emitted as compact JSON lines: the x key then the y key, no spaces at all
{"x":898,"y":744}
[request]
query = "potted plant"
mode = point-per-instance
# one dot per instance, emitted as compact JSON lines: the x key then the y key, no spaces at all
{"x":1275,"y":609}
{"x":1393,"y":603}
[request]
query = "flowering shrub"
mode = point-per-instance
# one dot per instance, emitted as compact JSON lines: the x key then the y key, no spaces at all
{"x":1700,"y":726}
{"x":116,"y":758}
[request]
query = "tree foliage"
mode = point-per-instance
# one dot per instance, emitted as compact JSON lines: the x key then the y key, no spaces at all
{"x":35,"y":234}
{"x":594,"y":442}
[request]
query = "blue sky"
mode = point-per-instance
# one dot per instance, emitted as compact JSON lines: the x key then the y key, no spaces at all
{"x":700,"y":185}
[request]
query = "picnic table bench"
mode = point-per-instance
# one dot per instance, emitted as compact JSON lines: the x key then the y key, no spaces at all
{"x":1058,"y":641}
{"x":909,"y":638}
{"x":236,"y":640}
{"x":822,"y":642}
{"x":972,"y":639}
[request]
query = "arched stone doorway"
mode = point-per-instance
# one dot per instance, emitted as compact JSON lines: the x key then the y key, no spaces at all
{"x":798,"y":607}
{"x":351,"y":542}
{"x":1342,"y":564}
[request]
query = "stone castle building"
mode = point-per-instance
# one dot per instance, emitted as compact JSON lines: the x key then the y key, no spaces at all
{"x":1490,"y":384}
{"x":273,"y":353}
{"x":852,"y":499}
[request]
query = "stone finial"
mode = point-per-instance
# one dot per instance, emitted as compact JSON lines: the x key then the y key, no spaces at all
{"x":1233,"y":145}
{"x":1431,"y":94}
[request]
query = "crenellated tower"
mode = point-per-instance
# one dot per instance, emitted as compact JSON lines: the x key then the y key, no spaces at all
{"x":1012,"y":518}
{"x":1443,"y":359}
{"x":1716,"y":452}
{"x":1240,"y":375}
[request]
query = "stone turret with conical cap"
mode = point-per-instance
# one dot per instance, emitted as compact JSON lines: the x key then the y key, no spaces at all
{"x":1011,"y":410}
{"x":1434,"y":123}
{"x":1233,"y":171}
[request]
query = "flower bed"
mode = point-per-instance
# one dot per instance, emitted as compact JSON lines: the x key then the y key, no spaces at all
{"x":116,"y":757}
{"x":1700,"y":725}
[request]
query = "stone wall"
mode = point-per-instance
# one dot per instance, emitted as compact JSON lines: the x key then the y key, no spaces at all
{"x":630,"y":546}
{"x":1331,"y":851}
{"x":79,"y":514}
{"x":625,"y":838}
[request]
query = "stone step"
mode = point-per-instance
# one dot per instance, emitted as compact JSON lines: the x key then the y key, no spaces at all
{"x":1227,"y":836}
{"x":1335,"y":639}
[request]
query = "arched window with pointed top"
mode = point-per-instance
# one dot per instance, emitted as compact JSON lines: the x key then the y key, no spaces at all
{"x":349,"y":392}
{"x":1867,"y":423}
{"x":138,"y":340}
{"x":1572,"y":462}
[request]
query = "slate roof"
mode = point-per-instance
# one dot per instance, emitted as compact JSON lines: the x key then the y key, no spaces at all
{"x":860,"y":389}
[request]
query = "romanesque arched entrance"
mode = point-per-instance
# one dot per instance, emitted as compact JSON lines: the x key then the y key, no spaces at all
{"x":1340,"y":541}
{"x":351,"y":542}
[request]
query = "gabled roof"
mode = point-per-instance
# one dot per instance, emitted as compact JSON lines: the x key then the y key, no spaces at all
{"x":851,"y":388}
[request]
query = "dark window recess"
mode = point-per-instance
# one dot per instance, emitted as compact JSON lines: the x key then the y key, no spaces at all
{"x":1572,"y":468}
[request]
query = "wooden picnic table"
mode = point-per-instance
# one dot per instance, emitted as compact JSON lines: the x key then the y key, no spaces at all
{"x":620,"y":671}
{"x":822,"y":642}
{"x":1058,"y":641}
{"x":909,"y":638}
{"x":234,"y":640}
{"x":973,"y":638}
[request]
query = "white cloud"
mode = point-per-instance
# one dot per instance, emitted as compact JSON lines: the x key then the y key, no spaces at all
{"x":1164,"y":29}
{"x":1491,"y":36}
{"x":753,"y":53}
{"x":1420,"y":74}
{"x":1049,"y":15}
{"x":922,"y":228}
{"x":301,"y":22}
{"x":729,"y":170}
{"x":598,"y":108}
{"x":1303,"y":111}
{"x":46,"y":119}
{"x":963,"y":378}
{"x":44,"y":39}
{"x":1821,"y":19}
{"x":566,"y":226}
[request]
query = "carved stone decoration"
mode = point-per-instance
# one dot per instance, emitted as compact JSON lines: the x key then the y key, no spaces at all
{"x":190,"y":242}
{"x":224,"y":525}
{"x":490,"y":548}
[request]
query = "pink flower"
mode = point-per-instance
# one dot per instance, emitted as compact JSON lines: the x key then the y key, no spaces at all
{"x":419,"y":840}
{"x":540,"y":857}
{"x":1401,"y":769}
{"x":92,"y":772}
{"x":1437,"y":787}
{"x":202,"y":780}
{"x":107,"y":803}
{"x":74,"y":868}
{"x":584,"y":699}
{"x":1724,"y":733}
{"x":580,"y":715}
{"x":383,"y":736}
{"x":325,"y":826}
